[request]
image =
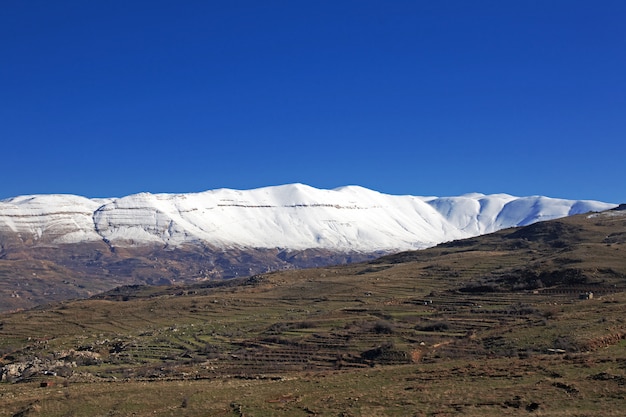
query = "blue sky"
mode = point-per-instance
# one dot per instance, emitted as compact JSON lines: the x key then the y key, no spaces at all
{"x":404,"y":97}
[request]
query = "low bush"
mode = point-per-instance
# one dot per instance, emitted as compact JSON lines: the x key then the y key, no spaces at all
{"x":438,"y":326}
{"x":383,"y":327}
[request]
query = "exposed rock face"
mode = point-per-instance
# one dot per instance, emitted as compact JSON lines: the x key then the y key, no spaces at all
{"x":19,"y":371}
{"x":60,"y":363}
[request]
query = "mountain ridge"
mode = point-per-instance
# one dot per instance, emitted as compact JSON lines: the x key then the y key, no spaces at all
{"x":291,"y":216}
{"x":55,"y":247}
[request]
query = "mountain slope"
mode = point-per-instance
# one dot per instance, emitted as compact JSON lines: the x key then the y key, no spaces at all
{"x":292,"y":216}
{"x":54,"y":247}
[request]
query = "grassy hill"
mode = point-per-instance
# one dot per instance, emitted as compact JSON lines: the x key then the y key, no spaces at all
{"x":523,"y":321}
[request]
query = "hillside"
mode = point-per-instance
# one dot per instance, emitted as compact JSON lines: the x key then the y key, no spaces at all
{"x":55,"y":247}
{"x":524,"y":320}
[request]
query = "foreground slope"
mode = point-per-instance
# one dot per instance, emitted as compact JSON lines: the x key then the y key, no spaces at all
{"x":54,"y":247}
{"x":488,"y":326}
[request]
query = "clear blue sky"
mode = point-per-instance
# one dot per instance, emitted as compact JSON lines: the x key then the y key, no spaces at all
{"x":111,"y":98}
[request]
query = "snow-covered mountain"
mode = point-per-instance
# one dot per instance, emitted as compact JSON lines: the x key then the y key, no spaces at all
{"x":54,"y":247}
{"x":293,"y":217}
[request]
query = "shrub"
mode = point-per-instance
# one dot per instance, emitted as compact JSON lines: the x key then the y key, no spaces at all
{"x":383,"y":327}
{"x":277,"y":328}
{"x":438,"y":326}
{"x":566,"y":343}
{"x":304,"y":325}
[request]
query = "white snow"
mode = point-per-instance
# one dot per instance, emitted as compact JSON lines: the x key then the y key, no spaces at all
{"x":293,"y":216}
